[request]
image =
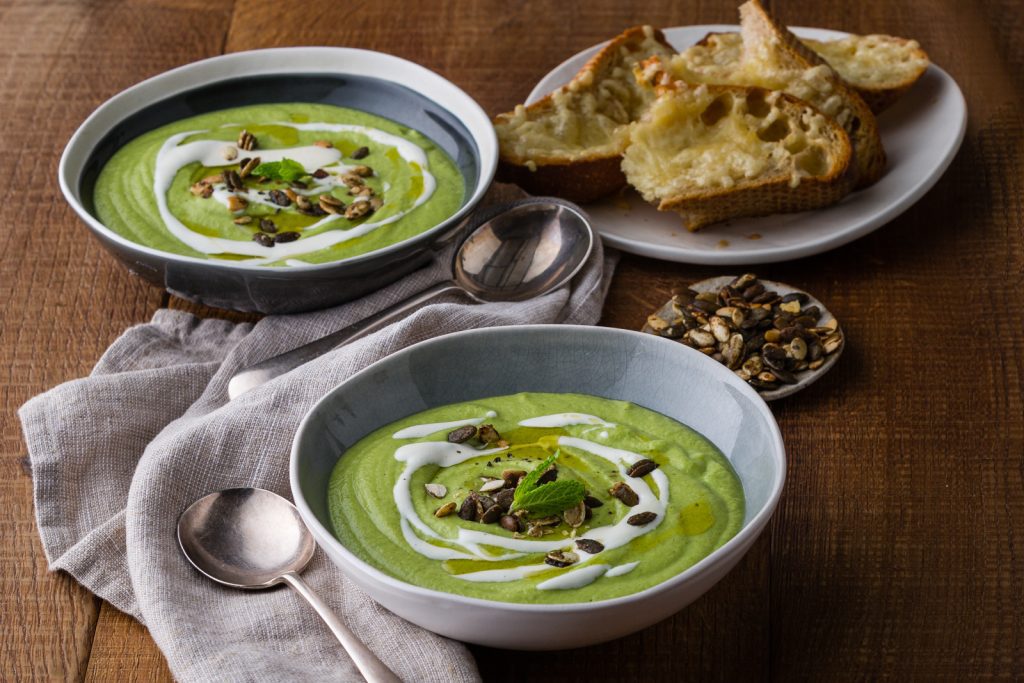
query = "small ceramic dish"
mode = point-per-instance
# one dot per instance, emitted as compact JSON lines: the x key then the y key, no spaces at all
{"x":373,"y":82}
{"x":805,"y":377}
{"x":656,"y":373}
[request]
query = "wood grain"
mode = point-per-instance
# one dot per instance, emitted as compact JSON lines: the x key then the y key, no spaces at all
{"x":64,"y":298}
{"x":898,"y":549}
{"x":123,"y":651}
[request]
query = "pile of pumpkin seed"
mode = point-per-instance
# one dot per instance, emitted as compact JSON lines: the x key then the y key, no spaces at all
{"x":765,"y":337}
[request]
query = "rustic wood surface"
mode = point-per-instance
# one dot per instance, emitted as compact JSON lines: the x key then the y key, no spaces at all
{"x":898,"y":548}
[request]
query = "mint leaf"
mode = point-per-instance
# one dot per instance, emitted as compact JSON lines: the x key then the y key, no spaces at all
{"x":530,"y":480}
{"x":549,"y":498}
{"x":552,"y":498}
{"x":286,"y":170}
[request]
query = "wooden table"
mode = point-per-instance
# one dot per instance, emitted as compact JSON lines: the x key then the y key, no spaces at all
{"x":898,"y":547}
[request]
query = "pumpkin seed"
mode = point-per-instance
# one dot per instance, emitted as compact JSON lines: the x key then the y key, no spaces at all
{"x":488,"y":434}
{"x":832,"y":343}
{"x":462,"y":434}
{"x":511,"y":523}
{"x":719,"y":329}
{"x":624,"y":493}
{"x":701,"y":338}
{"x":797,"y":349}
{"x":589,"y":545}
{"x":445,"y":510}
{"x":641,"y":519}
{"x":575,"y":515}
{"x":246,"y":140}
{"x":436,"y":490}
{"x":504,"y":498}
{"x":561,"y":558}
{"x":743,"y":281}
{"x":491,"y":514}
{"x":467,"y":510}
{"x":512,"y":477}
{"x":550,"y":520}
{"x":641,"y":468}
{"x":733,"y":353}
{"x":492,"y":485}
{"x":790,"y":307}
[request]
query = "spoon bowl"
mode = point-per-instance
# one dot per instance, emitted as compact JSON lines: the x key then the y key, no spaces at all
{"x":251,"y":539}
{"x":526,"y":250}
{"x":245,"y":538}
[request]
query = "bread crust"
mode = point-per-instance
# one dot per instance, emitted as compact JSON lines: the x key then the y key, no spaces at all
{"x":588,"y":174}
{"x":580,"y":181}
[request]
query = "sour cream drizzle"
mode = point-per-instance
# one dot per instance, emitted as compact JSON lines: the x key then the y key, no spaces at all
{"x":564,"y":420}
{"x":173,"y":156}
{"x":419,"y":431}
{"x":468,"y":542}
{"x":574,"y":579}
{"x":621,"y":569}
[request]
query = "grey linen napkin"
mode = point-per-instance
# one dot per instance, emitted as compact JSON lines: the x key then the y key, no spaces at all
{"x":118,"y":455}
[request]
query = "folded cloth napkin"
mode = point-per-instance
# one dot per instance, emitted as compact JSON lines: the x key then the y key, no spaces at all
{"x":117,"y":456}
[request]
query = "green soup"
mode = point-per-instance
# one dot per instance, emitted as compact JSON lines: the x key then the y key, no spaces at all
{"x":277,"y":185}
{"x":386,"y":490}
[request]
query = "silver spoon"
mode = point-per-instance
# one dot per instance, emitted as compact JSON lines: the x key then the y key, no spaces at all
{"x":251,"y":538}
{"x":519,"y":251}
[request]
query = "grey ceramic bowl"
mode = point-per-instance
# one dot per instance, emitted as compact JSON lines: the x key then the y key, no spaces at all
{"x":371,"y":81}
{"x":650,"y":371}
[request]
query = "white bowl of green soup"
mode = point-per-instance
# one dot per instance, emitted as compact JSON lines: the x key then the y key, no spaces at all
{"x":538,"y":487}
{"x":280,"y":180}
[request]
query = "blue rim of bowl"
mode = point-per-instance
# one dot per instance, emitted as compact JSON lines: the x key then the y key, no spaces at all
{"x":487,"y":167}
{"x":717,"y":556}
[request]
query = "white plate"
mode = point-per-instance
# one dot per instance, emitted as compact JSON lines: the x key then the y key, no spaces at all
{"x":921,"y":134}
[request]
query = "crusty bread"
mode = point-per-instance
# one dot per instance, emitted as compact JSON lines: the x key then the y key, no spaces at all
{"x":713,"y":152}
{"x":879,"y":67}
{"x":570,"y":142}
{"x":775,"y":59}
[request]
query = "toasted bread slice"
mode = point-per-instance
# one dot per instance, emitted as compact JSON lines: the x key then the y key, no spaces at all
{"x":570,"y":142}
{"x":775,"y":59}
{"x":713,"y":152}
{"x":880,"y":68}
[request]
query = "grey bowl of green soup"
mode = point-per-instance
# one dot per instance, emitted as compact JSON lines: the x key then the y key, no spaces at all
{"x":538,"y":487}
{"x":280,"y":180}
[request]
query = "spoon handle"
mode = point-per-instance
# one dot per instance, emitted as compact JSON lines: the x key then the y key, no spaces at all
{"x":260,"y":373}
{"x":373,"y":670}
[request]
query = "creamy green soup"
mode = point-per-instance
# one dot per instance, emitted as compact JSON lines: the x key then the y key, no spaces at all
{"x":653,"y":497}
{"x":277,"y":185}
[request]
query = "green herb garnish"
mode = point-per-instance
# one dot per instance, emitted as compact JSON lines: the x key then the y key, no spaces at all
{"x":546,"y":499}
{"x":286,"y":170}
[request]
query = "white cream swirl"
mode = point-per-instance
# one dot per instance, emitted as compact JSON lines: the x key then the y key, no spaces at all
{"x":173,"y":155}
{"x":470,"y":543}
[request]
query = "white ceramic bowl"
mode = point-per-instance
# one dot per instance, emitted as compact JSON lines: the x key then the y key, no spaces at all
{"x":656,"y":373}
{"x":375,"y":82}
